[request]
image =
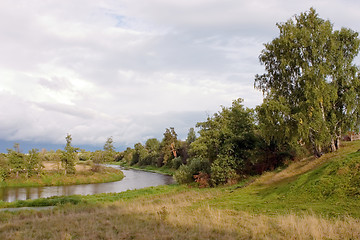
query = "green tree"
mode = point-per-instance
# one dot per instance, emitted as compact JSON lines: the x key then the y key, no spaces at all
{"x":139,"y":154}
{"x":69,"y":156}
{"x":169,"y":145}
{"x":109,"y":150}
{"x":311,"y":78}
{"x":4,"y":167}
{"x":226,"y":140}
{"x":152,"y":146}
{"x":16,"y":159}
{"x":191,"y":137}
{"x":33,"y":163}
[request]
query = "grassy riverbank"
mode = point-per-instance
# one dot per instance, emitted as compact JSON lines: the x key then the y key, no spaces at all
{"x":57,"y":178}
{"x":310,"y":199}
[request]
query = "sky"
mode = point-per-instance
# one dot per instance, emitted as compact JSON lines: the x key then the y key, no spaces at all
{"x":130,"y":69}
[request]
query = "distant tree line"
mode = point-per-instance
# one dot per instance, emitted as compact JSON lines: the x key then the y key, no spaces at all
{"x":15,"y":164}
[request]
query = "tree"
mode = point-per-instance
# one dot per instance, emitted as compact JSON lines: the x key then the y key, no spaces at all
{"x":191,"y":137}
{"x":169,"y":145}
{"x":33,"y":163}
{"x":109,"y":150}
{"x":4,"y":167}
{"x":69,"y":156}
{"x":139,"y":154}
{"x":226,"y":141}
{"x":16,"y":159}
{"x":311,"y":80}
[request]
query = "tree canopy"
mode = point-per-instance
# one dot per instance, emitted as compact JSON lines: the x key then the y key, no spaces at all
{"x":311,"y":81}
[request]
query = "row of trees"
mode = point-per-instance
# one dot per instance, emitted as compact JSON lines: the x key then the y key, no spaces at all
{"x":311,"y":93}
{"x":15,"y":163}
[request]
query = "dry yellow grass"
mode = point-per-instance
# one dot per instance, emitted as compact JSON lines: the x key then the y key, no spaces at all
{"x":173,"y":216}
{"x":50,"y":166}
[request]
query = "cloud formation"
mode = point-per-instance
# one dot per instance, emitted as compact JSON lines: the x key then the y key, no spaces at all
{"x":130,"y":69}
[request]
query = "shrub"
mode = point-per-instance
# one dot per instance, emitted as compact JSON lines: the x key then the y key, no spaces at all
{"x":176,"y":162}
{"x":222,"y":172}
{"x":185,"y":173}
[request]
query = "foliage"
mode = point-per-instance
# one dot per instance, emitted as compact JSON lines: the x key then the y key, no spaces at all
{"x":185,"y":173}
{"x":33,"y":163}
{"x":69,"y":156}
{"x":109,"y":150}
{"x":16,"y":159}
{"x":227,"y":140}
{"x":4,"y":168}
{"x":169,"y":145}
{"x":139,"y":154}
{"x":222,"y":171}
{"x":311,"y":84}
{"x":191,"y":137}
{"x":176,"y":162}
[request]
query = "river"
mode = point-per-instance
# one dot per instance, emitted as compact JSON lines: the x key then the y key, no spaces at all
{"x":134,"y":179}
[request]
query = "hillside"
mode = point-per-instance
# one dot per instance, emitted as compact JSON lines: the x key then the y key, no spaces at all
{"x":309,"y":199}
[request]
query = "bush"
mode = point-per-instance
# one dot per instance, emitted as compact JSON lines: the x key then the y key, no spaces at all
{"x":222,"y":172}
{"x":176,"y":162}
{"x":185,"y":173}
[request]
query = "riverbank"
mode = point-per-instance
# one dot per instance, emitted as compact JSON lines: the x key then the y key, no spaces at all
{"x":57,"y":178}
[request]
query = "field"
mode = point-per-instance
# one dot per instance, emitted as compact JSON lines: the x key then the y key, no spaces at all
{"x":310,"y":199}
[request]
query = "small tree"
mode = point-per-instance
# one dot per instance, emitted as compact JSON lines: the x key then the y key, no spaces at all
{"x":16,"y":159}
{"x":191,"y":137}
{"x":109,"y":150}
{"x":4,"y":168}
{"x":169,"y":145}
{"x":69,"y":156}
{"x":33,"y":163}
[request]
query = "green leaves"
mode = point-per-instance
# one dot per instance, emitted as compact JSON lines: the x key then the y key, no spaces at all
{"x":310,"y":82}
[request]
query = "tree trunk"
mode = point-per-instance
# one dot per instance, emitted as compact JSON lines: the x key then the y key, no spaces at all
{"x":333,"y":145}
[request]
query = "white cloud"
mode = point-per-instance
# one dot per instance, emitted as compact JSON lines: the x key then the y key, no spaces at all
{"x":130,"y":69}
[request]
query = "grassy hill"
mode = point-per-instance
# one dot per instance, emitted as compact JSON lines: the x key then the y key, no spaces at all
{"x":309,"y":199}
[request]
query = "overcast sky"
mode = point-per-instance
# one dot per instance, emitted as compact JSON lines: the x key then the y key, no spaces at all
{"x":130,"y":69}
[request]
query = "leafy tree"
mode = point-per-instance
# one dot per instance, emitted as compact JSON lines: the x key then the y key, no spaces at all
{"x":4,"y":168}
{"x":226,"y":141}
{"x":152,"y":146}
{"x":191,"y":137}
{"x":109,"y":150}
{"x":139,"y":154}
{"x":16,"y":159}
{"x":33,"y":163}
{"x":68,"y":158}
{"x":311,"y":82}
{"x":169,"y":145}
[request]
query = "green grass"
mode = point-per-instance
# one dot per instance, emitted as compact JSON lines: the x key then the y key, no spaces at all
{"x":330,"y":189}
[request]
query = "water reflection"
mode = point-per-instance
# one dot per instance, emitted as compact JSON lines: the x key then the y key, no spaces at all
{"x":134,"y":179}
